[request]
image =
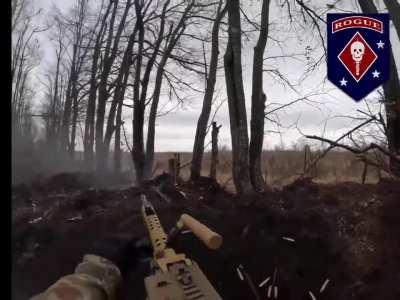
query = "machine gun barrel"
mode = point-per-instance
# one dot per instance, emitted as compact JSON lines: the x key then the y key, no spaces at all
{"x":176,"y":276}
{"x":157,"y":234}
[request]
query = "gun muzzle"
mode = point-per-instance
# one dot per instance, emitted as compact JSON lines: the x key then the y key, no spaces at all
{"x":210,"y":238}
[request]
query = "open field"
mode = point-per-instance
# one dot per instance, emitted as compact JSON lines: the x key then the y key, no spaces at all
{"x":281,"y":167}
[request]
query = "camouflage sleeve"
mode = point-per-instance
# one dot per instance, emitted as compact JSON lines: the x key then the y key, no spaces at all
{"x":95,"y":278}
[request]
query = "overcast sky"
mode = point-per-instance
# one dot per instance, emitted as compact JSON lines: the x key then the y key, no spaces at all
{"x":175,"y":131}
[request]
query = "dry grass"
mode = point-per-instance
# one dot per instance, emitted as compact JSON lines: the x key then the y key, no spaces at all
{"x":281,"y":167}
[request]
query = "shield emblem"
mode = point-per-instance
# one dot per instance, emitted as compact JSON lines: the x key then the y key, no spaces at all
{"x":358,"y":52}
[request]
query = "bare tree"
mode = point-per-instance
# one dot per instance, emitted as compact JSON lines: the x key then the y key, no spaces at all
{"x":88,"y":142}
{"x":392,"y":95}
{"x":18,"y":8}
{"x":24,"y":58}
{"x":139,"y":105}
{"x":114,"y":121}
{"x":115,"y":112}
{"x":258,"y":99}
{"x":53,"y":111}
{"x":146,"y":58}
{"x":117,"y":140}
{"x":110,"y":53}
{"x":173,"y":37}
{"x":76,"y":26}
{"x":236,"y":101}
{"x":201,"y":130}
{"x":214,"y":150}
{"x":393,"y":7}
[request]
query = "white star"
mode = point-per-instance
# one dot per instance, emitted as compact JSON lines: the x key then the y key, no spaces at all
{"x":376,"y":74}
{"x":380,"y":44}
{"x":343,"y":82}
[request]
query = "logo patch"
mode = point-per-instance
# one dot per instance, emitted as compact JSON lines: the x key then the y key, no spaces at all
{"x":358,"y":52}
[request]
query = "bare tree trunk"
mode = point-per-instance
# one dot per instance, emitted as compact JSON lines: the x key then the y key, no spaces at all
{"x":67,"y":114}
{"x":117,"y":141}
{"x":109,"y":56}
{"x":101,"y":163}
{"x":22,"y":110}
{"x":75,"y":110}
{"x":364,"y":173}
{"x":90,"y":113}
{"x":149,"y":158}
{"x":138,"y":155}
{"x":393,"y":7}
{"x":120,"y":88}
{"x":214,"y":150}
{"x":258,"y":99}
{"x":172,"y":168}
{"x":308,"y":165}
{"x":52,"y":117}
{"x":392,"y":105}
{"x":393,"y":88}
{"x":23,"y":61}
{"x":60,"y":105}
{"x":173,"y":39}
{"x":236,"y":102}
{"x":76,"y":63}
{"x":201,"y":130}
{"x":177,"y":159}
{"x":91,"y":106}
{"x":392,"y":98}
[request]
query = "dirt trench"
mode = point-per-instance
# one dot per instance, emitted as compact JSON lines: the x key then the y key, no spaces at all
{"x":299,"y":236}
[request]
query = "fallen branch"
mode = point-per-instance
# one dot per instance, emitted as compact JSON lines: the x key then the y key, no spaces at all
{"x":379,"y":166}
{"x":318,"y":158}
{"x":355,"y":150}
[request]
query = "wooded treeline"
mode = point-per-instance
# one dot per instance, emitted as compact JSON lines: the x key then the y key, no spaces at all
{"x":118,"y":56}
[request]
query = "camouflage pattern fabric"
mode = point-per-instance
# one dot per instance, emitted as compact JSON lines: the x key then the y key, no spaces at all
{"x":95,"y":278}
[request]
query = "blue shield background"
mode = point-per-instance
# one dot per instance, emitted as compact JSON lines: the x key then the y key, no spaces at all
{"x":338,"y":40}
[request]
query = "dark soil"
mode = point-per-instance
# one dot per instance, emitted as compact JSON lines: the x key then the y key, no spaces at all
{"x":348,"y":233}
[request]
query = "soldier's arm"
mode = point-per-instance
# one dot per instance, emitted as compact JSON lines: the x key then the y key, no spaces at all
{"x":95,"y":278}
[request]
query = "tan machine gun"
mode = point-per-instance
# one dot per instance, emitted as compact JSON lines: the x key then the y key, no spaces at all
{"x":176,"y":277}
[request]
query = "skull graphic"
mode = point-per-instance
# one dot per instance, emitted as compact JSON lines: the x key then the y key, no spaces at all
{"x":357,"y":51}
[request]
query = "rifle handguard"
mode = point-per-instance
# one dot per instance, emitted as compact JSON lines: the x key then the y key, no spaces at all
{"x":210,"y":238}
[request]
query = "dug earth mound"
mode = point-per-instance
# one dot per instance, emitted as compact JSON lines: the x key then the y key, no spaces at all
{"x":334,"y":241}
